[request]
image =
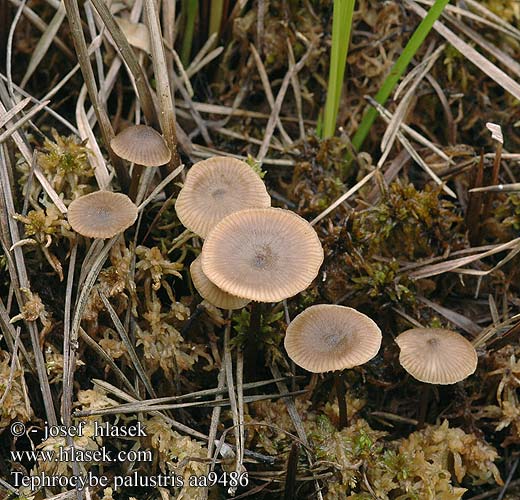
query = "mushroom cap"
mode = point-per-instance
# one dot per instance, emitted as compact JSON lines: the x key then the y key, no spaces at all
{"x":436,"y":356}
{"x":215,"y":188}
{"x":262,"y":254}
{"x":329,"y":337}
{"x":101,"y":214}
{"x":212,"y":293}
{"x":136,"y":33}
{"x":142,"y":145}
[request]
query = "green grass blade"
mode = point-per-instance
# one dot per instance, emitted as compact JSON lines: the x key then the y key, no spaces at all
{"x":341,"y":26}
{"x":398,"y":69}
{"x":215,"y":16}
{"x":190,"y":8}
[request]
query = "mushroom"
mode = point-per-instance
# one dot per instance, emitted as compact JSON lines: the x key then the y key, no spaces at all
{"x":213,"y":294}
{"x":101,"y":214}
{"x":330,"y":337}
{"x":143,"y":146}
{"x":215,"y":188}
{"x":262,"y":254}
{"x":136,"y":33}
{"x":435,"y":356}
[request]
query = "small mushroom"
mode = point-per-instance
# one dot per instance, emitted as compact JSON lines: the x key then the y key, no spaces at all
{"x":329,"y":337}
{"x":101,"y":214}
{"x":143,"y":146}
{"x":215,"y":188}
{"x":262,"y":254}
{"x":436,"y":356}
{"x":212,"y":293}
{"x":136,"y":33}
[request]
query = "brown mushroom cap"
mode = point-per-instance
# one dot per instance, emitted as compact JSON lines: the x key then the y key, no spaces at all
{"x":102,"y":214}
{"x":212,"y":293}
{"x":136,"y":33}
{"x":262,"y":254}
{"x":215,"y":188}
{"x":142,"y":145}
{"x":436,"y":356}
{"x":329,"y":337}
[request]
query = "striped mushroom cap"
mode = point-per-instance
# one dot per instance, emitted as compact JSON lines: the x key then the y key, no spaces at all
{"x":215,"y":188}
{"x":262,"y":254}
{"x":142,"y":145}
{"x":436,"y":356}
{"x":212,"y":293}
{"x":102,"y":214}
{"x":329,"y":337}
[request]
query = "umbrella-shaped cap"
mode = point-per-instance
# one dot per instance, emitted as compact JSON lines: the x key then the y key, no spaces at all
{"x":215,"y":188}
{"x":329,"y":337}
{"x":212,"y":293}
{"x":436,"y":356}
{"x":262,"y":254}
{"x":136,"y":33}
{"x":102,"y":214}
{"x":141,"y":144}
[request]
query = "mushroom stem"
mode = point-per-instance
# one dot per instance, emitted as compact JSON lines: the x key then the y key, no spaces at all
{"x":134,"y":184}
{"x":255,"y":323}
{"x":423,"y":406}
{"x":342,"y":400}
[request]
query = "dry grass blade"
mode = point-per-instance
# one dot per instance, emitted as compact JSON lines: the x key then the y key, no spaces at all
{"x":190,"y":71}
{"x":471,"y":54}
{"x":498,"y":54}
{"x":144,"y":408}
{"x":456,"y":264}
{"x":127,"y":54}
{"x":28,"y":156}
{"x":94,"y":269}
{"x":454,"y":317}
{"x":500,"y":330}
{"x":108,"y":359}
{"x":195,"y":68}
{"x":164,"y":93}
{"x":44,"y":43}
{"x":41,"y":26}
{"x":7,"y":208}
{"x":66,"y":399}
{"x":22,"y":121}
{"x":497,"y":20}
{"x":162,"y":185}
{"x":499,"y":188}
{"x":237,"y":423}
{"x":109,"y":388}
{"x":48,"y":109}
{"x":86,"y":133}
{"x":417,"y":75}
{"x":413,"y":153}
{"x":215,"y":418}
{"x":128,"y":344}
{"x":268,"y":92}
{"x":297,"y":422}
{"x":107,"y":131}
{"x":344,"y":197}
{"x":275,"y":113}
{"x":14,"y":110}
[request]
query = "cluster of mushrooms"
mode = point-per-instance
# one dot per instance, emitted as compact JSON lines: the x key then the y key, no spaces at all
{"x":253,"y":252}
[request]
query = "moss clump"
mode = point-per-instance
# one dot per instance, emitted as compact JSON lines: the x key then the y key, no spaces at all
{"x":317,"y":179}
{"x":408,"y":223}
